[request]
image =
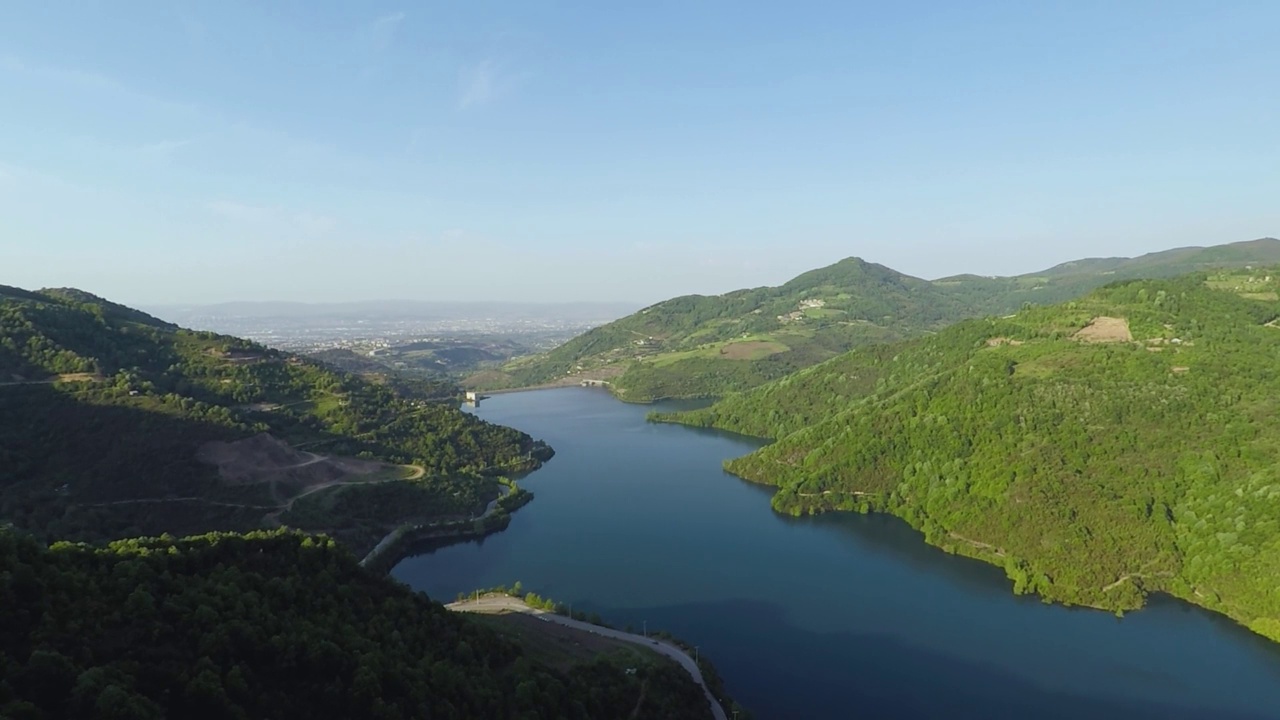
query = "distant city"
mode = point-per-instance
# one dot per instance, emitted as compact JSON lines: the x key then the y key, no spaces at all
{"x":387,"y":329}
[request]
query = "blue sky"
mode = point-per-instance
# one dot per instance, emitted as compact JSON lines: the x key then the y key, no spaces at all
{"x":169,"y":151}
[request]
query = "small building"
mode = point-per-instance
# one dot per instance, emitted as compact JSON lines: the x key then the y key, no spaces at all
{"x":473,"y":397}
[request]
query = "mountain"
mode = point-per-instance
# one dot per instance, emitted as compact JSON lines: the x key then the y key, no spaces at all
{"x":280,"y":625}
{"x":697,"y":345}
{"x":709,"y":346}
{"x":1099,"y":450}
{"x":114,"y":423}
{"x":1072,"y":279}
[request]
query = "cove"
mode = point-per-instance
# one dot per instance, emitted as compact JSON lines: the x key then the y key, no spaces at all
{"x":835,"y":616}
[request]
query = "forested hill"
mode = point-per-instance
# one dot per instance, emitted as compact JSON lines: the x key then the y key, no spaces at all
{"x":1098,"y":450}
{"x":711,"y":345}
{"x":278,"y":625}
{"x":697,"y":345}
{"x":107,"y":417}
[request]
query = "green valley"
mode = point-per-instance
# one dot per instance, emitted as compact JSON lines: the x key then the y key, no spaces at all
{"x":1098,"y":450}
{"x":121,"y":431}
{"x":700,"y":346}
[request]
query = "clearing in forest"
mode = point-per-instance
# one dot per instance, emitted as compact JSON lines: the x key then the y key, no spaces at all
{"x":751,"y":350}
{"x":1103,"y":329}
{"x":263,"y":458}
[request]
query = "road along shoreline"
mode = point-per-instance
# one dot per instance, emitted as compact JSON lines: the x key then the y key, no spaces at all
{"x":492,"y":603}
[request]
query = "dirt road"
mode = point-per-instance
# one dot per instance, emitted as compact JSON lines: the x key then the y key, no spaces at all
{"x":274,"y":517}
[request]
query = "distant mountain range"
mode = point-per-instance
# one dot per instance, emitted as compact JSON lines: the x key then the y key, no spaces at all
{"x":698,"y":346}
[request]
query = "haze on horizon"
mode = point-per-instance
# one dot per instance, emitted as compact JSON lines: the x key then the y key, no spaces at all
{"x":206,"y":152}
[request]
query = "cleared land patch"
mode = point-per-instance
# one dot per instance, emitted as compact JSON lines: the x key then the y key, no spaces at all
{"x":752,"y":350}
{"x":495,"y":378}
{"x":263,"y":458}
{"x":1103,"y":329}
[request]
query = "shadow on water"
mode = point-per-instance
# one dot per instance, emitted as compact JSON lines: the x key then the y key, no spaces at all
{"x":853,"y":675}
{"x":890,"y":536}
{"x":755,"y":442}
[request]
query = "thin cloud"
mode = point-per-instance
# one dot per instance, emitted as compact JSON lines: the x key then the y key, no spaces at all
{"x":313,"y":224}
{"x":164,"y":148}
{"x":89,"y":81}
{"x":274,"y":218}
{"x":478,"y":84}
{"x":240,"y":212}
{"x":382,"y":32}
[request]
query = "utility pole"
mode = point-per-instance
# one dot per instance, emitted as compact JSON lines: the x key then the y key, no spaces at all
{"x":645,"y":624}
{"x":695,"y":654}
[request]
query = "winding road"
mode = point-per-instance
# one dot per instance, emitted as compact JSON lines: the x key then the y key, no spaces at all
{"x":503,"y":602}
{"x":273,"y":518}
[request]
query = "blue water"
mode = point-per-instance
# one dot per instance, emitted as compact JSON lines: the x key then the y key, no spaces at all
{"x":835,"y":616}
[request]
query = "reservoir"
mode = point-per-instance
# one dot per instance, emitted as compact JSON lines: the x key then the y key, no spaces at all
{"x":834,"y":616}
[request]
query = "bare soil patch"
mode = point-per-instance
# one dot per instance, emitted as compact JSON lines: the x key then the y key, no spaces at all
{"x":486,"y":377}
{"x":79,"y":377}
{"x":751,"y":350}
{"x":607,"y":372}
{"x":1103,"y":329}
{"x":65,"y":377}
{"x":263,"y":458}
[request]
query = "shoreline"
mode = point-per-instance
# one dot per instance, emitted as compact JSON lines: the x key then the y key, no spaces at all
{"x":996,"y":557}
{"x":530,"y":388}
{"x":659,"y":644}
{"x":390,"y":550}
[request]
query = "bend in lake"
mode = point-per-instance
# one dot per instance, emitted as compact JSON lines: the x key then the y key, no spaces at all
{"x":834,"y":616}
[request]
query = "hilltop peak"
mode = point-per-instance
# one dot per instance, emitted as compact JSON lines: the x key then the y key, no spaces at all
{"x":111,"y":309}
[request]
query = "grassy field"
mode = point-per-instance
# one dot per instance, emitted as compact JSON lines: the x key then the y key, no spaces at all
{"x":749,"y":347}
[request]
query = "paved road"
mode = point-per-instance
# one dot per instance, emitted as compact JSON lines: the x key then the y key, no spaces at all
{"x":502,"y":602}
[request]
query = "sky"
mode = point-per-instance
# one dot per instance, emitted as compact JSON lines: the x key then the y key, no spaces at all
{"x":189,"y":152}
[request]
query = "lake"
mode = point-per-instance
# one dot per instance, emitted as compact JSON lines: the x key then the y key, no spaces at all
{"x":835,"y":616}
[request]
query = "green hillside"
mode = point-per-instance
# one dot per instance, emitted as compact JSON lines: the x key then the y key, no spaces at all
{"x":107,"y":417}
{"x":1120,"y":444}
{"x":709,"y":346}
{"x":698,"y":345}
{"x":280,"y":625}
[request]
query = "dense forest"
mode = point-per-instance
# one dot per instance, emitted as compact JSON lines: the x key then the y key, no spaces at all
{"x":709,"y":346}
{"x":104,"y":411}
{"x":1099,"y":450}
{"x":277,"y":625}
